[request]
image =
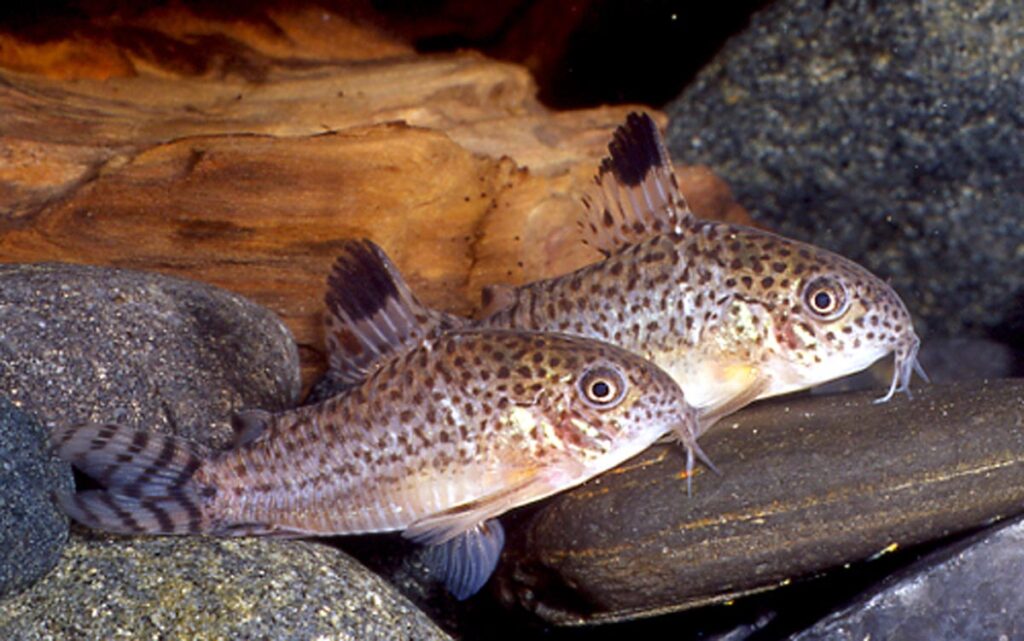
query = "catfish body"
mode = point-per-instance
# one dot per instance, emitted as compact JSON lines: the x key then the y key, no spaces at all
{"x":732,"y":313}
{"x":487,"y":419}
{"x":441,"y":435}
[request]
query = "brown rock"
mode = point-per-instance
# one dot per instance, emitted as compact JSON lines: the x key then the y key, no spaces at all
{"x":807,"y":484}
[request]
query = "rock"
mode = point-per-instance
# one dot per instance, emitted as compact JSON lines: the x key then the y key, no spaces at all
{"x":120,"y":588}
{"x":890,"y":134}
{"x":807,"y":484}
{"x":32,"y":529}
{"x":969,"y":592}
{"x":90,"y":344}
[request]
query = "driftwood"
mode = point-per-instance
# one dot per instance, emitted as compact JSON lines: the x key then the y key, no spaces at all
{"x":240,"y":154}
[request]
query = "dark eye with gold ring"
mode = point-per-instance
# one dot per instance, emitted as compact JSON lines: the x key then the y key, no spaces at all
{"x":602,"y":387}
{"x":825,"y":298}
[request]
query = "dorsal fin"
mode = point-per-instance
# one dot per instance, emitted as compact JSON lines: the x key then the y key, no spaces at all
{"x":371,"y":313}
{"x":636,"y":194}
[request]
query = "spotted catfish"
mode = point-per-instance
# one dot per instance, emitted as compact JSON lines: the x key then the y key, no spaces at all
{"x":441,"y":436}
{"x":732,"y":313}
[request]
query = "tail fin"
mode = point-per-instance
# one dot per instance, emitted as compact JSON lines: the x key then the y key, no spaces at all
{"x":147,"y":479}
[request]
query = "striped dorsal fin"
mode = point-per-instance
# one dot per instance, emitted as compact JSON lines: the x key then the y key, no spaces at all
{"x":636,"y":194}
{"x":371,"y":313}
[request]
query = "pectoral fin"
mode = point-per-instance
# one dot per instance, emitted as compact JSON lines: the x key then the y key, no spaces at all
{"x":687,"y":434}
{"x":465,"y":562}
{"x":466,"y":535}
{"x":748,"y":394}
{"x":533,"y":483}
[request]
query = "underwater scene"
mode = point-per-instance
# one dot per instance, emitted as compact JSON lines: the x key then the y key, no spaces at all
{"x":568,"y":321}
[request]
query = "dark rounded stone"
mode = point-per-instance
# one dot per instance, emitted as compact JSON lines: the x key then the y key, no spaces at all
{"x":33,"y":530}
{"x":969,"y":591}
{"x":807,"y":484}
{"x":889,"y":132}
{"x":84,"y":344}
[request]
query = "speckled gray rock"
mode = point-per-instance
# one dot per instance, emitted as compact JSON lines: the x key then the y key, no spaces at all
{"x":890,"y":132}
{"x":32,"y":529}
{"x":81,"y":343}
{"x":197,"y":588}
{"x":972,"y":591}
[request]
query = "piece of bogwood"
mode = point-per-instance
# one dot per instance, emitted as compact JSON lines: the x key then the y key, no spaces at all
{"x":807,"y":484}
{"x":248,"y":177}
{"x":263,"y":215}
{"x":175,"y":39}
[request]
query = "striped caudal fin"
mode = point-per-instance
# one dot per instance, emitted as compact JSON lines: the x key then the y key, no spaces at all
{"x":147,"y":480}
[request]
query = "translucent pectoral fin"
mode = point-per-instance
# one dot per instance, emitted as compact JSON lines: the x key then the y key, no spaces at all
{"x":532,"y":484}
{"x":468,"y":542}
{"x":465,"y":562}
{"x":711,"y":415}
{"x":749,"y":393}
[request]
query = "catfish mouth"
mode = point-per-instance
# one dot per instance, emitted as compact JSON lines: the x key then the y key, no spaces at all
{"x":905,"y":365}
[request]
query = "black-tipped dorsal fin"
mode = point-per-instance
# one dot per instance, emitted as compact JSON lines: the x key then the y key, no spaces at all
{"x":371,"y":314}
{"x":636,"y":194}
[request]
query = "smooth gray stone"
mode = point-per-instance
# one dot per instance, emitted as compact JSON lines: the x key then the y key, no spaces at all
{"x":972,"y":591}
{"x":807,"y":484}
{"x":32,"y":529}
{"x":889,"y":132}
{"x":81,"y":344}
{"x":201,"y":588}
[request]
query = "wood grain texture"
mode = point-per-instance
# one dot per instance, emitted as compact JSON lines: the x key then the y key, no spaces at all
{"x":240,"y":155}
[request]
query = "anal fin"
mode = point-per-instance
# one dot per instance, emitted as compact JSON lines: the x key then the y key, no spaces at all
{"x":465,"y":562}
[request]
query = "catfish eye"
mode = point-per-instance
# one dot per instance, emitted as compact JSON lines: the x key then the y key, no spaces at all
{"x":602,"y":387}
{"x":825,"y":298}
